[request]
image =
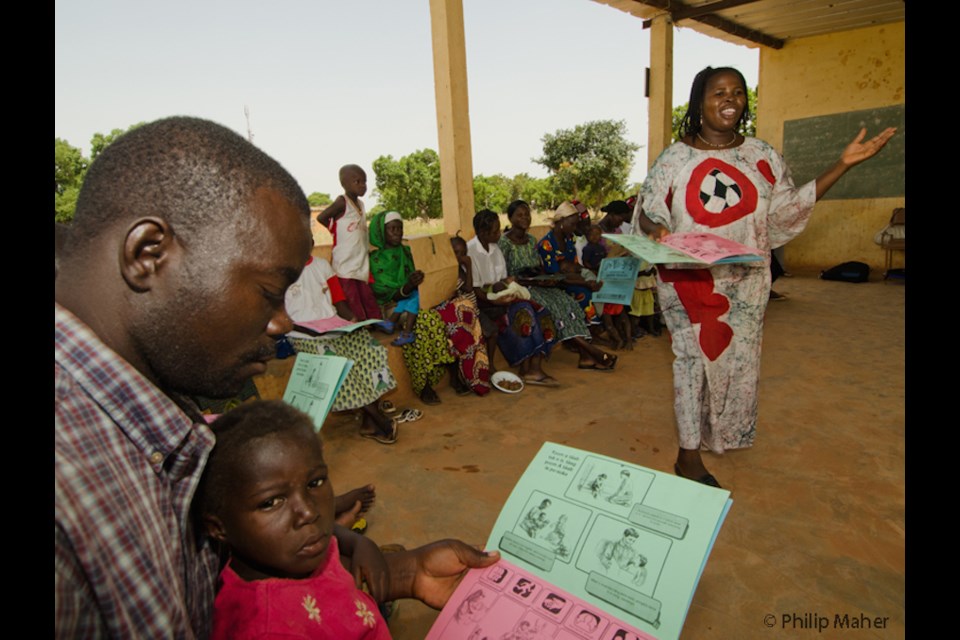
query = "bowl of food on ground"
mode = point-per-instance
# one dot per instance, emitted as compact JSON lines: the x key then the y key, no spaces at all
{"x":507,"y":382}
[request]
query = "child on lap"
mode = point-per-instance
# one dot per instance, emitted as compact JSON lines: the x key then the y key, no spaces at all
{"x":266,"y":495}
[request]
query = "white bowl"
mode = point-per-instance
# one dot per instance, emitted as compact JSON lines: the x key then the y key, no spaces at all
{"x":501,"y":376}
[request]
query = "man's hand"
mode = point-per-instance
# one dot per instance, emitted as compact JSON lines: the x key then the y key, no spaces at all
{"x":431,"y":573}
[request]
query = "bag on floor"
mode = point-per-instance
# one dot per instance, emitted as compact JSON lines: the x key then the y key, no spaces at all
{"x":852,"y":271}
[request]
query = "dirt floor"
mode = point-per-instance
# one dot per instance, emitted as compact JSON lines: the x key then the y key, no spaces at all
{"x":817,"y":522}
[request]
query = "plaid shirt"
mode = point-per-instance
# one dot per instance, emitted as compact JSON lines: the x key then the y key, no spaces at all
{"x":128,"y":561}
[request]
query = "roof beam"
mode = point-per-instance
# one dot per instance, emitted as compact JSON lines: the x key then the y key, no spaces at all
{"x":679,"y":11}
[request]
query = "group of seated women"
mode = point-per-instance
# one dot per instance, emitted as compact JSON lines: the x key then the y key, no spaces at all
{"x":513,"y":293}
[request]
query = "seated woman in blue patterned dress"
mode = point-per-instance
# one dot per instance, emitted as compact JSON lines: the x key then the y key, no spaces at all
{"x":519,"y":249}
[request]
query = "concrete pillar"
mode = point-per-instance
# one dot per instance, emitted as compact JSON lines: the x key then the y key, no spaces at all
{"x":453,"y":116}
{"x":660,"y":130}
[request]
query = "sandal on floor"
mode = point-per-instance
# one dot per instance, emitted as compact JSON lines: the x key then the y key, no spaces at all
{"x":545,"y":381}
{"x":706,"y":478}
{"x":608,"y":363}
{"x":409,"y":415}
{"x":386,"y":325}
{"x":360,"y":526}
{"x":383,"y":438}
{"x":405,"y":337}
{"x":386,"y":408}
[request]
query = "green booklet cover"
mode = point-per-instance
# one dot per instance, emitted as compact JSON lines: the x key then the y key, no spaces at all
{"x":630,"y":540}
{"x":314,"y":383}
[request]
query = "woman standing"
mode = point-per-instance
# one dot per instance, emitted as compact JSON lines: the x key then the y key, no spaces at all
{"x":716,"y":180}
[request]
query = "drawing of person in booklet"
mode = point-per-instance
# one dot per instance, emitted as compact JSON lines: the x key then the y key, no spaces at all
{"x":555,"y":537}
{"x":536,"y":519}
{"x":472,"y":608}
{"x":620,"y":556}
{"x":623,"y":496}
{"x":525,"y":630}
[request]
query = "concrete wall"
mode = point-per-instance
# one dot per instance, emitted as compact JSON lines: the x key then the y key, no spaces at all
{"x":847,"y":71}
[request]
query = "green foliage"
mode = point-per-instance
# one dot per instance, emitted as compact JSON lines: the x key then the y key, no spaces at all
{"x":317,"y":199}
{"x":589,"y":162}
{"x":410,"y":185}
{"x":492,"y":192}
{"x":749,"y":130}
{"x":99,"y":141}
{"x":70,"y":167}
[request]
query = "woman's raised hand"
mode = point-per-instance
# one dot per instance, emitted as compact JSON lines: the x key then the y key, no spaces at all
{"x":858,"y":151}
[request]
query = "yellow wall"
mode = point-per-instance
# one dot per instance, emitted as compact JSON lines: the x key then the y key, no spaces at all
{"x":847,"y":71}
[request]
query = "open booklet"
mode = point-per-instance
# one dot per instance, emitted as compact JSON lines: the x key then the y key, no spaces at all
{"x":332,"y":324}
{"x":618,"y":276}
{"x":593,"y":548}
{"x":314,"y":383}
{"x":689,"y":248}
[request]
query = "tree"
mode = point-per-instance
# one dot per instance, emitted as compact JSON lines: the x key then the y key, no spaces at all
{"x":99,"y":141}
{"x":410,"y":185}
{"x":493,"y":192}
{"x":69,"y":168}
{"x":590,"y":161}
{"x":750,"y":128}
{"x":317,"y":199}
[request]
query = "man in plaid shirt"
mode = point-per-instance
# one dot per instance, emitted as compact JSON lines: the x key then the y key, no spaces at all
{"x":171,"y":283}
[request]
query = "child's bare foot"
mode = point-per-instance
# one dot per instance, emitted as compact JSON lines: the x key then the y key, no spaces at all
{"x":348,"y":517}
{"x":354,"y":503}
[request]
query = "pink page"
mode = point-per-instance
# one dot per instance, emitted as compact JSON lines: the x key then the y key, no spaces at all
{"x":707,"y":246}
{"x":504,"y":602}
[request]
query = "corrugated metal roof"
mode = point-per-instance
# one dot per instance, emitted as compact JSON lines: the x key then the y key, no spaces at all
{"x":767,"y":22}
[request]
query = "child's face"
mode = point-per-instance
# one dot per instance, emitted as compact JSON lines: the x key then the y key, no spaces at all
{"x":279,"y":517}
{"x":491,"y":235}
{"x":355,"y":183}
{"x":459,"y":247}
{"x":393,"y":233}
{"x":593,"y":235}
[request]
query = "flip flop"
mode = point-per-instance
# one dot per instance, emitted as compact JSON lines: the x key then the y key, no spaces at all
{"x":405,"y":337}
{"x":386,"y":408}
{"x":409,"y":415}
{"x":386,"y":325}
{"x":706,"y":478}
{"x":545,"y":381}
{"x":383,"y":438}
{"x":596,"y":367}
{"x":359,"y":526}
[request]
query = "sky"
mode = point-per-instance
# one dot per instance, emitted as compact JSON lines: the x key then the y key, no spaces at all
{"x":327,"y":83}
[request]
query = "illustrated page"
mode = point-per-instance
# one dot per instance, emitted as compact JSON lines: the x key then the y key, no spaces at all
{"x":618,"y":276}
{"x":624,"y":538}
{"x":314,"y":383}
{"x":504,"y":602}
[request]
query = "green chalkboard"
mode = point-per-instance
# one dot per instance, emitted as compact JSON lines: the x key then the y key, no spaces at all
{"x":810,"y":145}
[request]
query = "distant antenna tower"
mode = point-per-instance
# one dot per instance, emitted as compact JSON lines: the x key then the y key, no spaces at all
{"x":246,"y":113}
